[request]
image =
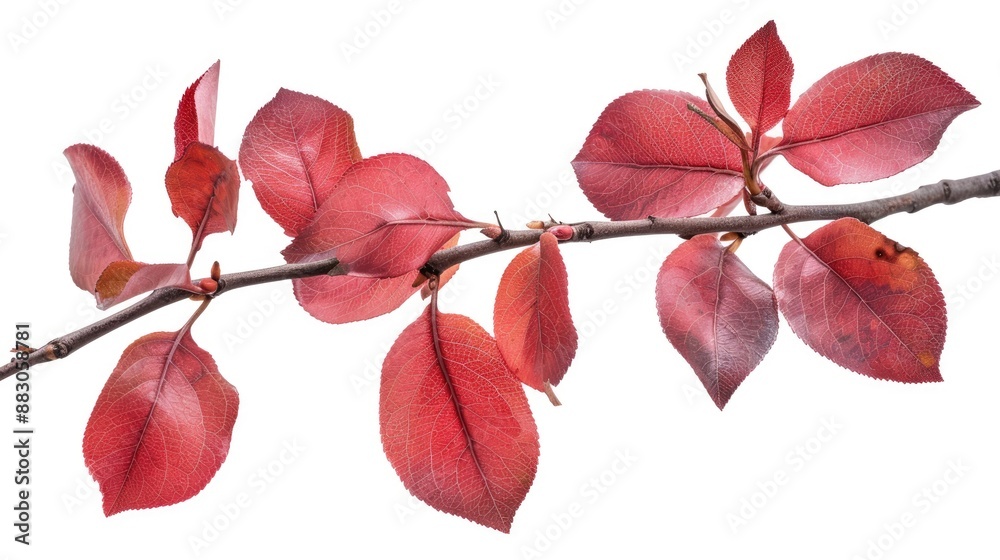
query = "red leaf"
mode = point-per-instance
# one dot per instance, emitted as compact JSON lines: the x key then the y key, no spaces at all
{"x":386,"y":217}
{"x":203,"y":186}
{"x":294,"y":150}
{"x":759,"y":79}
{"x":347,"y":298}
{"x":101,"y":197}
{"x":649,"y":155}
{"x":871,"y":119}
{"x":123,"y":280}
{"x":195,"y":121}
{"x":455,"y":423}
{"x":864,"y":301}
{"x":716,"y":313}
{"x":531,"y":317}
{"x":161,"y":426}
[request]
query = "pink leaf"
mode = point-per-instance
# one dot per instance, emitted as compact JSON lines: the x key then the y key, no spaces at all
{"x":531,"y":317}
{"x":346,"y":298}
{"x":455,"y":423}
{"x":386,"y":217}
{"x":162,"y":425}
{"x":203,"y":186}
{"x":123,"y":280}
{"x":863,"y":301}
{"x":649,"y":155}
{"x":195,"y":121}
{"x":101,"y":197}
{"x":716,"y":313}
{"x":759,"y":79}
{"x":871,"y":119}
{"x":295,"y":150}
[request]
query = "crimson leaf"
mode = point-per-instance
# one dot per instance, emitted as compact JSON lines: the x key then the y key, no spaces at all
{"x":387,"y":215}
{"x":863,"y":301}
{"x":295,"y":150}
{"x":650,"y":155}
{"x":531,"y":317}
{"x":162,"y":424}
{"x":759,"y":80}
{"x":195,"y":121}
{"x":871,"y":119}
{"x":455,"y":423}
{"x":101,"y":197}
{"x":123,"y":280}
{"x":716,"y":313}
{"x":203,"y":185}
{"x":347,"y":298}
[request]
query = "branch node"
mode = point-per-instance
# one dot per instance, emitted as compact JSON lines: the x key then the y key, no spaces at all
{"x":504,"y":233}
{"x":585,"y":231}
{"x":995,"y":182}
{"x":946,"y":187}
{"x":767,"y":199}
{"x":430,"y":271}
{"x":56,"y":350}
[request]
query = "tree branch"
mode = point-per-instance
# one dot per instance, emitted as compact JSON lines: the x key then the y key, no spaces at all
{"x":943,"y":192}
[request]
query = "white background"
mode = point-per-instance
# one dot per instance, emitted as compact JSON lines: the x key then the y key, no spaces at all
{"x":312,"y":386}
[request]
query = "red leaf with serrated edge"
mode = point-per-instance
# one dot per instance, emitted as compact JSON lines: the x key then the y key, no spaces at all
{"x":716,"y":313}
{"x":871,"y":119}
{"x":649,"y":155}
{"x":295,"y":150}
{"x":195,"y":121}
{"x":387,"y":215}
{"x":203,"y":186}
{"x":161,"y":426}
{"x":455,"y":423}
{"x":531,"y":317}
{"x":123,"y":280}
{"x":864,"y":301}
{"x":101,"y":197}
{"x":347,"y":298}
{"x":759,"y":80}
